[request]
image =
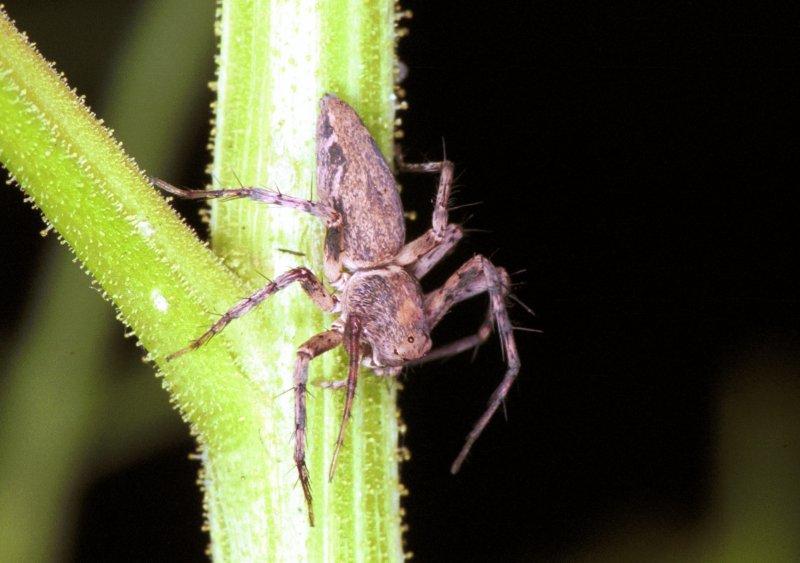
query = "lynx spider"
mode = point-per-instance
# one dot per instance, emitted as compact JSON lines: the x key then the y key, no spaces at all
{"x":385,"y":319}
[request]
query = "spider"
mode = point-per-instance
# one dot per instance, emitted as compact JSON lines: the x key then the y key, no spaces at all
{"x":385,"y":319}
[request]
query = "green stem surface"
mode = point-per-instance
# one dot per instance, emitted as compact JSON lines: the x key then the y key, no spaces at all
{"x":276,"y":61}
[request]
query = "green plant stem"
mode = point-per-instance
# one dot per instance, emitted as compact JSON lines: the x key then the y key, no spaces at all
{"x":163,"y":281}
{"x":276,"y":61}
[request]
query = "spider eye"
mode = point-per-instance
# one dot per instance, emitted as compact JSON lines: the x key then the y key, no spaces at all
{"x":411,"y":340}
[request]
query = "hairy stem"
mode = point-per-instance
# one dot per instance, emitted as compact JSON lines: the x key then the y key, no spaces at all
{"x":276,"y":61}
{"x":164,"y":283}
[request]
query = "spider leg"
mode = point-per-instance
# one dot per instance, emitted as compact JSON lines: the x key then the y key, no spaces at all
{"x":428,"y":249}
{"x":332,"y":265}
{"x":352,"y":338}
{"x":366,"y":362}
{"x":331,"y":217}
{"x":333,"y":384}
{"x":310,"y":283}
{"x":505,"y":331}
{"x":445,"y":170}
{"x":313,"y":347}
{"x":421,"y":254}
{"x":468,"y":281}
{"x":460,"y":345}
{"x":478,"y":275}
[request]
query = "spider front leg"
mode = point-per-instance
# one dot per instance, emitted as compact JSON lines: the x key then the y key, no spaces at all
{"x":461,"y":345}
{"x":445,"y":170}
{"x":465,"y":283}
{"x":313,"y":347}
{"x":422,"y":253}
{"x":331,"y":217}
{"x":310,"y":283}
{"x":476,"y":276}
{"x":352,"y":342}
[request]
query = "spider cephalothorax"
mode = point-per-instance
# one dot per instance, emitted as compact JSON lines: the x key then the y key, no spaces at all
{"x":390,"y":305}
{"x":385,"y":318}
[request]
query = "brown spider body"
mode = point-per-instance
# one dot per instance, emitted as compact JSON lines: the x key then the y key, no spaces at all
{"x":354,"y":180}
{"x":385,"y":317}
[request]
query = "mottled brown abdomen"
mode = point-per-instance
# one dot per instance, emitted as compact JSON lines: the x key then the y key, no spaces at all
{"x":354,"y":179}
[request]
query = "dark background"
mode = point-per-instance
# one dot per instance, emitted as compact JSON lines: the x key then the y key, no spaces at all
{"x":640,"y":164}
